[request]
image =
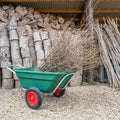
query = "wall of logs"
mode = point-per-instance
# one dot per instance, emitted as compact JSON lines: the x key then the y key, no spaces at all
{"x":26,"y":37}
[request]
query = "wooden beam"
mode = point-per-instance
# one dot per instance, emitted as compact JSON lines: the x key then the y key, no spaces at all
{"x":58,"y":0}
{"x":42,"y":0}
{"x":113,"y":10}
{"x":95,"y":18}
{"x":59,"y":10}
{"x":71,"y":18}
{"x":78,"y":10}
{"x":106,"y":0}
{"x":101,"y":18}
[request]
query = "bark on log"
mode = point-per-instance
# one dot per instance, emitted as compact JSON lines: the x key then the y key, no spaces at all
{"x":17,"y":61}
{"x":4,"y":42}
{"x":76,"y":80}
{"x":38,"y":46}
{"x":13,"y":20}
{"x":30,"y":35}
{"x":37,"y":16}
{"x":33,"y":56}
{"x":40,"y":24}
{"x":15,"y":50}
{"x":27,"y":62}
{"x":44,"y":35}
{"x":5,"y":7}
{"x":21,"y":10}
{"x":13,"y":35}
{"x":25,"y":52}
{"x":21,"y":30}
{"x":5,"y":52}
{"x":24,"y":40}
{"x":15,"y":77}
{"x":52,"y":18}
{"x":10,"y":12}
{"x":7,"y":83}
{"x":17,"y":84}
{"x":5,"y":62}
{"x":6,"y":73}
{"x":53,"y":34}
{"x":37,"y":36}
{"x":47,"y":47}
{"x":40,"y":55}
{"x":2,"y":27}
{"x":3,"y":15}
{"x":46,"y":20}
{"x":61,"y":20}
{"x":30,"y":16}
{"x":31,"y":10}
{"x":57,"y":27}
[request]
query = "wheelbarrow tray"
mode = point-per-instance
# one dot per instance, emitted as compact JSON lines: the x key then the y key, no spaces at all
{"x":44,"y":81}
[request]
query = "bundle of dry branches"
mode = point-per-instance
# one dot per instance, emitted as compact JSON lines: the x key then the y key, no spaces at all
{"x":73,"y":50}
{"x":109,"y":43}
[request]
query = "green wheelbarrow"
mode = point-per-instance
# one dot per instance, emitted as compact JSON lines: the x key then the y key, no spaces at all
{"x":37,"y":82}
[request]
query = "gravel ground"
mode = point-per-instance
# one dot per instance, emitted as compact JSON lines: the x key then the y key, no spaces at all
{"x":98,"y":102}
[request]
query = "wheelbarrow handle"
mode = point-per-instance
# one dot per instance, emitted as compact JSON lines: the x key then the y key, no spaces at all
{"x":8,"y":67}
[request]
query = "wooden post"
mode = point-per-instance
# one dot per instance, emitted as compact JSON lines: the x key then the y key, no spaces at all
{"x":89,"y":15}
{"x":90,"y":26}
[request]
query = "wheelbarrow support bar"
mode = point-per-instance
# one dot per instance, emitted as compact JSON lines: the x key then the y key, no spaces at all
{"x":61,"y":82}
{"x":8,"y":67}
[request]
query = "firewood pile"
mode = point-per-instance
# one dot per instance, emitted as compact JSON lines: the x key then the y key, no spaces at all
{"x":26,"y":37}
{"x":109,"y":43}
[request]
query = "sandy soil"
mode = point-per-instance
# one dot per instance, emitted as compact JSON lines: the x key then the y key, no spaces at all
{"x":98,"y":102}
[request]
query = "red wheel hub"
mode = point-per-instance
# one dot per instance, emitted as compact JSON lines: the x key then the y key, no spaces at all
{"x":58,"y":91}
{"x":32,"y":98}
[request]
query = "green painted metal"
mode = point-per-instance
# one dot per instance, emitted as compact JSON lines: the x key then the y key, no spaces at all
{"x":44,"y":81}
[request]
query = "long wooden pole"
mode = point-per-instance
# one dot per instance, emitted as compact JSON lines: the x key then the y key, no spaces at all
{"x":89,"y":15}
{"x":90,"y":26}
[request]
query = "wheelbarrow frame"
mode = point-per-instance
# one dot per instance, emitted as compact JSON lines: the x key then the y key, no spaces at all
{"x":68,"y":74}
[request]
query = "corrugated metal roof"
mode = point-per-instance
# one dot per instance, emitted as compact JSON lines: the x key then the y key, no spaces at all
{"x":106,"y":5}
{"x":48,"y":5}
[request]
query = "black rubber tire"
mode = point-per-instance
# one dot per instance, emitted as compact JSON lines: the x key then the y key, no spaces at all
{"x":39,"y":97}
{"x":61,"y":94}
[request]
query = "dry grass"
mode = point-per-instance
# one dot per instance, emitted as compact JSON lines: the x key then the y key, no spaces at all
{"x":72,"y":50}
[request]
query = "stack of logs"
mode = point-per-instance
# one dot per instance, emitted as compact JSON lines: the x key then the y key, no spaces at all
{"x":26,"y":37}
